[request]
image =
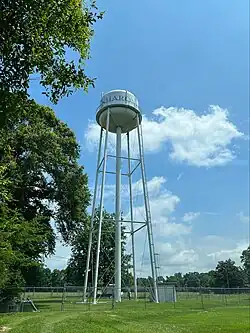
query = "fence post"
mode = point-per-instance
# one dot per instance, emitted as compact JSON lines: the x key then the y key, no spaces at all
{"x":225,"y":296}
{"x":202,"y":301}
{"x":89,"y":298}
{"x":174,"y":295}
{"x":63,"y":298}
{"x":113,"y":298}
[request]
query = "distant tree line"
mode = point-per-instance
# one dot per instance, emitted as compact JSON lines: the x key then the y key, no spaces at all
{"x":226,"y":275}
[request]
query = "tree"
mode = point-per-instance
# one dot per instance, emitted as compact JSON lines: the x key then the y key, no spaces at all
{"x":58,"y":278}
{"x":39,"y":37}
{"x":77,"y":263}
{"x":212,"y":278}
{"x":179,"y":279}
{"x":38,"y":160}
{"x":37,"y":276}
{"x":206,"y":279}
{"x":6,"y":253}
{"x":245,"y":259}
{"x":41,"y":276}
{"x":176,"y":279}
{"x":13,"y":229}
{"x":46,"y":180}
{"x":15,"y":234}
{"x":160,"y":279}
{"x":192,"y":279}
{"x":228,"y":275}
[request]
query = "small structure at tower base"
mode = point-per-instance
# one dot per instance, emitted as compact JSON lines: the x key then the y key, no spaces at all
{"x":166,"y":294}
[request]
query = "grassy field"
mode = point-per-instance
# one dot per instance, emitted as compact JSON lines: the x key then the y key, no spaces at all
{"x":187,"y":316}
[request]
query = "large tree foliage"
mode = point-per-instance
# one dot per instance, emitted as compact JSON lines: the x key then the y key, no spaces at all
{"x":18,"y":237}
{"x":46,"y":180}
{"x":192,"y":279}
{"x":41,"y":276}
{"x":38,"y":36}
{"x":8,"y":230}
{"x":6,"y":253}
{"x":77,"y":264}
{"x":37,"y":276}
{"x":176,"y":279}
{"x":15,"y":233}
{"x":228,"y":275}
{"x":245,"y":259}
{"x":58,"y":278}
{"x":42,"y":180}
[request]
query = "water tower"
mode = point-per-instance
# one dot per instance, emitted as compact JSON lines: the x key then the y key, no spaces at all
{"x":119,"y":113}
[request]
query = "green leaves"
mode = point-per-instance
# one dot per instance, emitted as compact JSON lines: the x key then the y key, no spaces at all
{"x":40,"y":180}
{"x":228,"y":275}
{"x":36,"y":37}
{"x":245,"y":259}
{"x":46,"y":174}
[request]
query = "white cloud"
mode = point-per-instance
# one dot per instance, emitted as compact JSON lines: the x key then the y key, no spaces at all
{"x":179,"y":249}
{"x":162,"y":204}
{"x":199,"y":140}
{"x":184,"y":258}
{"x":169,"y":229}
{"x":232,"y":253}
{"x":187,"y":254}
{"x":154,"y":187}
{"x":190,"y":216}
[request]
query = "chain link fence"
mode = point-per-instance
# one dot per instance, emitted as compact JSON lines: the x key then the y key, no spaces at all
{"x":206,"y":298}
{"x":70,"y":298}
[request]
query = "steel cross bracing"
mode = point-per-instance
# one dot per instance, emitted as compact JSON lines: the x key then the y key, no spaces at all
{"x":102,"y":169}
{"x":122,"y":157}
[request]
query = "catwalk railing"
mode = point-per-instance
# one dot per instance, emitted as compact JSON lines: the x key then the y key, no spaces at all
{"x":70,"y":298}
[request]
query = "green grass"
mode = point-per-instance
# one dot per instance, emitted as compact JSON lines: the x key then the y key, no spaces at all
{"x":188,"y":316}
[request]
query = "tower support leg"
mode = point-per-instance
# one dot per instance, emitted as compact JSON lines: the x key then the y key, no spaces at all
{"x":118,"y":218}
{"x":92,"y":220}
{"x":132,"y":217}
{"x":148,"y":214}
{"x":101,"y":209}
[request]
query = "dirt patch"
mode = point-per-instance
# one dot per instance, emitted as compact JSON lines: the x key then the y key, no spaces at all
{"x":4,"y":329}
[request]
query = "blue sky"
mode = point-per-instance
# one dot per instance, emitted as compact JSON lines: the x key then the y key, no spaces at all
{"x":179,"y":58}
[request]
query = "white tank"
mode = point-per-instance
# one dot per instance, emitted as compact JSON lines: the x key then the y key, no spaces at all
{"x":123,"y":107}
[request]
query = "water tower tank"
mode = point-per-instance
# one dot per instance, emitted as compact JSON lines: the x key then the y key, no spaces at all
{"x":123,"y":107}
